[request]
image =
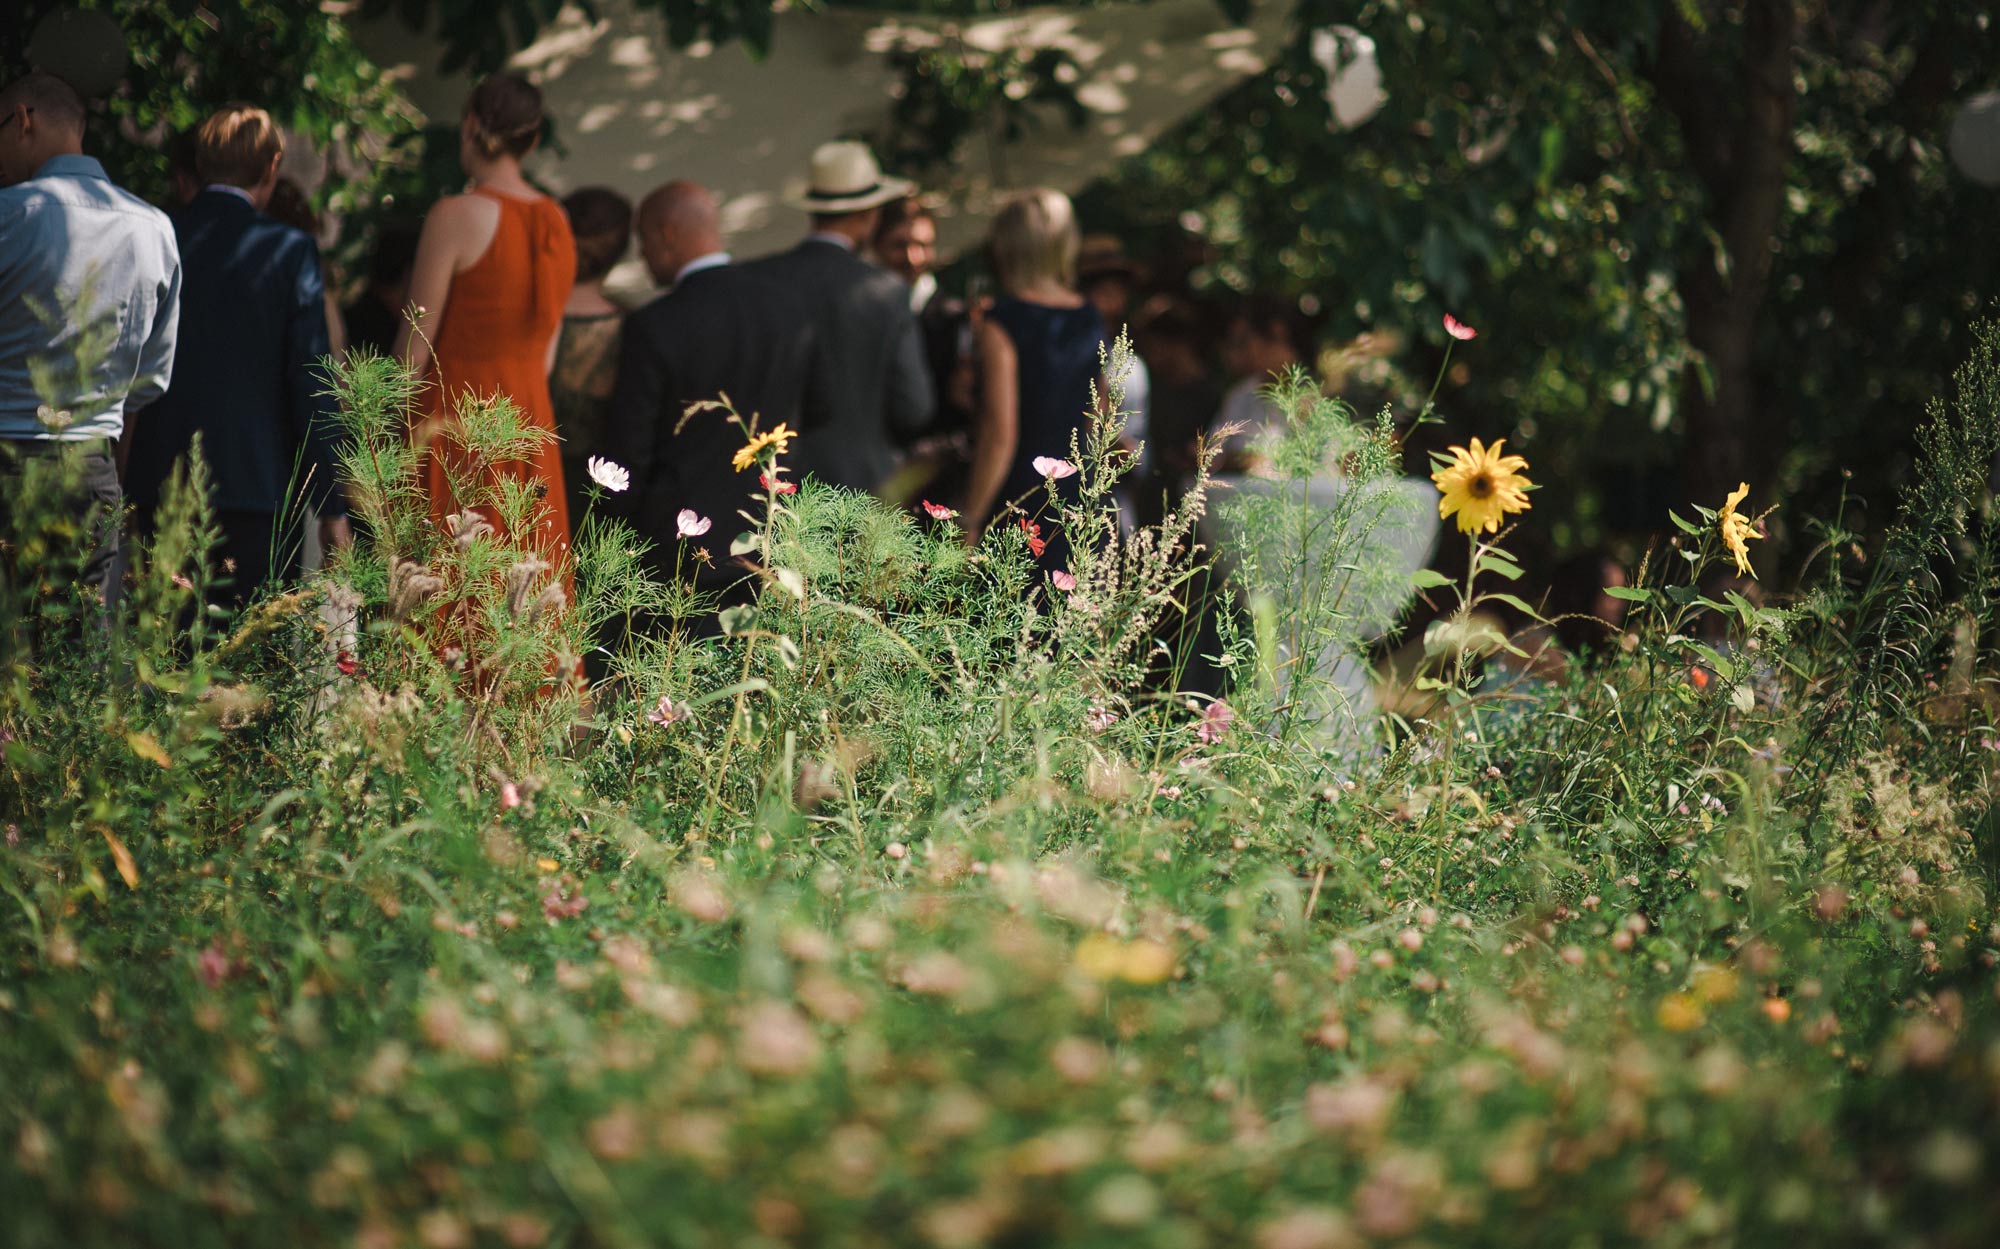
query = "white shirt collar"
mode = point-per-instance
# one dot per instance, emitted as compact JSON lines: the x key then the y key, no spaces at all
{"x":237,"y":191}
{"x":922,"y":291}
{"x":713,"y":260}
{"x":828,"y":236}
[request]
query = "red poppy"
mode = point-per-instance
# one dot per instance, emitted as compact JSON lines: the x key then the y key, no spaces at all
{"x":347,"y":664}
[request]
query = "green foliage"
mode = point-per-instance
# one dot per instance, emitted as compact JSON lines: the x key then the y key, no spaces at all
{"x":1548,"y":171}
{"x":188,"y":59}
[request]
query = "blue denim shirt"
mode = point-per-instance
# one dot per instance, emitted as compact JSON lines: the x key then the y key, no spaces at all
{"x":69,"y":238}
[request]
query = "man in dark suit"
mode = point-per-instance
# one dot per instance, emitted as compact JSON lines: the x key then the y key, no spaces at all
{"x":878,"y":396}
{"x":720,"y":330}
{"x":246,"y":376}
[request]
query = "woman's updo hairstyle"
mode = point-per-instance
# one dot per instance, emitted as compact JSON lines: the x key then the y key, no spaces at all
{"x":506,"y":115}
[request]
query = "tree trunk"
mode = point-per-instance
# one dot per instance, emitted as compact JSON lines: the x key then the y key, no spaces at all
{"x":1738,"y":135}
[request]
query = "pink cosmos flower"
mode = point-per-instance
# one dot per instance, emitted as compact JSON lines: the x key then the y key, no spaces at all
{"x":1064,"y":580}
{"x":1052,"y":468}
{"x":776,"y":485}
{"x":1459,"y":329}
{"x":1101,"y":717}
{"x":690,"y":524}
{"x":510,"y":795}
{"x":1215,"y":721}
{"x":609,"y":474}
{"x":668,"y":712}
{"x":939,"y":511}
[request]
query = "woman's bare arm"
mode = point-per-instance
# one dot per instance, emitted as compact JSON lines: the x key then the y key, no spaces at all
{"x":998,"y":434}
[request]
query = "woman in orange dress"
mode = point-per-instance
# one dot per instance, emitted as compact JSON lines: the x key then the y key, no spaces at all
{"x":493,"y":269}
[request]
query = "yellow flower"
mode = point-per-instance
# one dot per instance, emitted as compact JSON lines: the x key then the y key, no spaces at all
{"x":1736,"y":530}
{"x":1482,"y":486}
{"x":1101,"y":956}
{"x":747,"y":454}
{"x":1679,"y":1012}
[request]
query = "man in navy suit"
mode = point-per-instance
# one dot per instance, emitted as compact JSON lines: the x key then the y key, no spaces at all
{"x":253,"y":331}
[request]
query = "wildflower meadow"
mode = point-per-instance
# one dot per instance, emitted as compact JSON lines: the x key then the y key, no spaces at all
{"x":457,"y":899}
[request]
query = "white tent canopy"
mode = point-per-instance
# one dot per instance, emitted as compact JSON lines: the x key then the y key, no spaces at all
{"x":631,"y":112}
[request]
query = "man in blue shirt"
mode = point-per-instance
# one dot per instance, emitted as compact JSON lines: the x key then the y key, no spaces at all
{"x":246,"y":373}
{"x":89,"y":298}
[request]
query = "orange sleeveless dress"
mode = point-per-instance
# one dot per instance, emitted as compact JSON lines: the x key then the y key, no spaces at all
{"x":494,"y":338}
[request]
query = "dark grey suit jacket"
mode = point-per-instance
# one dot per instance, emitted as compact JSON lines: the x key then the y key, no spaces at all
{"x":877,"y":393}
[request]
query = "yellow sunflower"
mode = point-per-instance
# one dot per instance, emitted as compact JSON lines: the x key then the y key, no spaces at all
{"x":1482,"y":486}
{"x":747,"y":454}
{"x":1736,"y":530}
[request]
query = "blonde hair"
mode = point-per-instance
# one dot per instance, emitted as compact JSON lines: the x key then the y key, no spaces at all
{"x":236,"y":146}
{"x":1034,"y":240}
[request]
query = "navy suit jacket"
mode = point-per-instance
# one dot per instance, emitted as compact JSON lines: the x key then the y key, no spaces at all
{"x":246,"y":373}
{"x":719,"y":331}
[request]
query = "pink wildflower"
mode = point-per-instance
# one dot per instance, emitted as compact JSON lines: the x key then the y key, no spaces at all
{"x":691,"y":524}
{"x":1215,"y":721}
{"x":347,"y":664}
{"x":1052,"y":468}
{"x":561,"y":899}
{"x":1064,"y":580}
{"x":669,"y":712}
{"x":939,"y":511}
{"x":213,"y":965}
{"x":510,"y":795}
{"x":1459,"y":329}
{"x":776,"y":485}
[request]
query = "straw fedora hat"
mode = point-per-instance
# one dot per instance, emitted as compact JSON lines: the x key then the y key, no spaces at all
{"x":845,"y":179}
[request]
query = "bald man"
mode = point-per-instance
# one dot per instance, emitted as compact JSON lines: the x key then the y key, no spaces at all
{"x":718,"y":330}
{"x":80,"y":260}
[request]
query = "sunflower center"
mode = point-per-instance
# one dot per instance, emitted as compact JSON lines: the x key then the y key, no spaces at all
{"x":1480,"y":485}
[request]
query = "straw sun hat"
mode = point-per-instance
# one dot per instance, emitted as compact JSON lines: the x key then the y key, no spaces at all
{"x":845,"y":179}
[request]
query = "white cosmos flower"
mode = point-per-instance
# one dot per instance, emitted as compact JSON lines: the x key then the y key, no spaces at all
{"x":690,"y":524}
{"x":611,"y":476}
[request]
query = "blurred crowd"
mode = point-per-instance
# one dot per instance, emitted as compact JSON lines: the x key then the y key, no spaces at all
{"x":964,"y":396}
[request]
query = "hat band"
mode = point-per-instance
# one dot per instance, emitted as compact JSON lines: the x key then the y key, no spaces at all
{"x":822,"y":193}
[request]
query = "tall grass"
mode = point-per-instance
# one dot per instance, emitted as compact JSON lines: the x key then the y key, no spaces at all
{"x":907,"y":912}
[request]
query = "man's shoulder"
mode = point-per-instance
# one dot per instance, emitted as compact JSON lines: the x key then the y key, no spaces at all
{"x":791,"y":260}
{"x":714,"y":293}
{"x":213,"y":230}
{"x":65,"y":193}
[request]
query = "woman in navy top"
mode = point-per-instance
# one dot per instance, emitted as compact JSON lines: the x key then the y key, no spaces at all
{"x":1038,"y":350}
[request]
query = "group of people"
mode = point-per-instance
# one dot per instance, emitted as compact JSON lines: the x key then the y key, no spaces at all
{"x":222,"y":318}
